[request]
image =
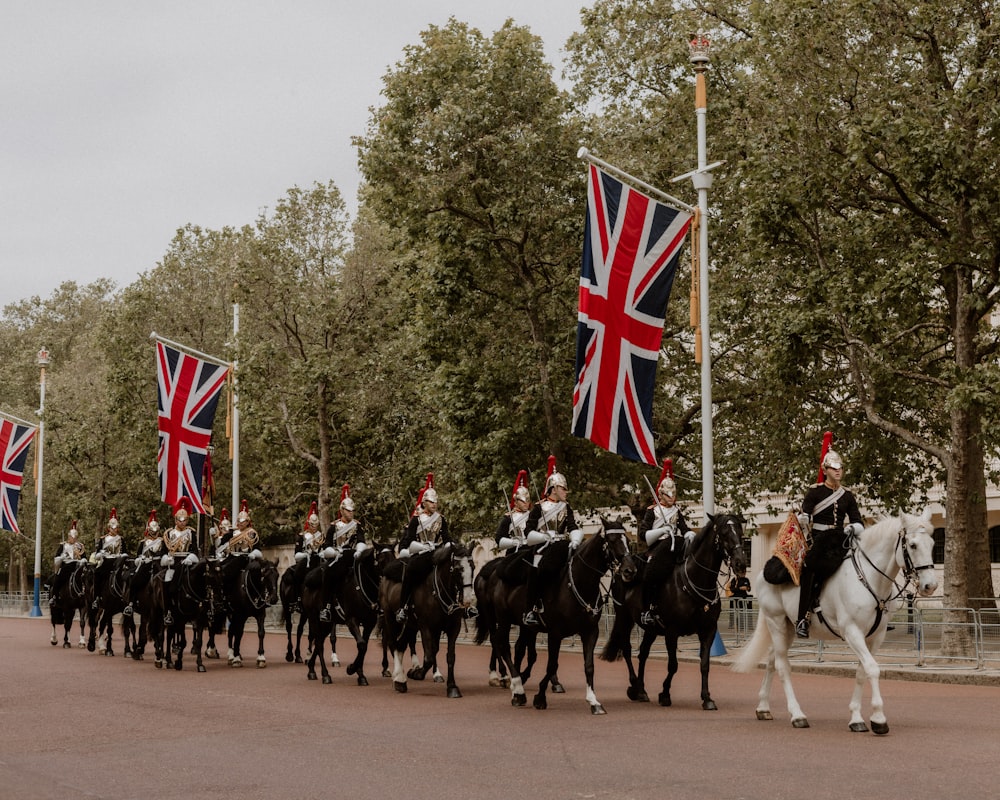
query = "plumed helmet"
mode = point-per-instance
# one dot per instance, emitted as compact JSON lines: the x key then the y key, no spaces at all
{"x":520,"y":490}
{"x":152,"y":526}
{"x":554,"y":478}
{"x":183,"y":507}
{"x":428,"y":487}
{"x":827,"y":441}
{"x":244,"y":515}
{"x":72,"y":530}
{"x":113,"y":521}
{"x":345,"y":497}
{"x":224,"y":522}
{"x":667,"y":485}
{"x":313,"y":518}
{"x":430,"y":495}
{"x":832,"y":460}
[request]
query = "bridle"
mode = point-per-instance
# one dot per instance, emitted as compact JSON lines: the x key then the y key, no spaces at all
{"x":449,"y":605}
{"x":688,"y":584}
{"x":610,"y":559}
{"x":359,"y":582}
{"x":257,"y":596}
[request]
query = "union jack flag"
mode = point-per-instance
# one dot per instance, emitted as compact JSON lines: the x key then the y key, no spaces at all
{"x":14,"y":441}
{"x":189,"y":389}
{"x":630,"y":253}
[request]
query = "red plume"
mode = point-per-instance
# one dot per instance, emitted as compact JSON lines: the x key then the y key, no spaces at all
{"x":312,"y":509}
{"x":428,"y":484}
{"x":345,"y":492}
{"x":551,"y":469}
{"x":519,"y":481}
{"x":827,"y":441}
{"x":667,"y":472}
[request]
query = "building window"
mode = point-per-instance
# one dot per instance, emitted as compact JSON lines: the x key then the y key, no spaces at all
{"x":995,"y":544}
{"x":938,"y":556}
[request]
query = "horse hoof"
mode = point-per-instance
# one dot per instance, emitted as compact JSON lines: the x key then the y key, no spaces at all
{"x":801,"y":722}
{"x":236,"y":662}
{"x":66,"y":645}
{"x":439,"y":679}
{"x":557,"y":688}
{"x":399,"y":686}
{"x":519,"y":700}
{"x":211,"y":653}
{"x":880,"y":728}
{"x":764,"y":715}
{"x":597,"y":709}
{"x":416,"y":674}
{"x":201,"y":668}
{"x":386,"y":673}
{"x":298,"y":660}
{"x":327,"y":679}
{"x":539,"y":702}
{"x":636,"y":695}
{"x":53,"y":642}
{"x":159,"y":664}
{"x":311,"y":676}
{"x":858,"y":727}
{"x":261,"y":663}
{"x":709,"y":705}
{"x":454,"y":692}
{"x":495,"y":682}
{"x":334,"y":662}
{"x":505,"y":682}
{"x":663,"y":699}
{"x":362,"y":680}
{"x":110,"y":652}
{"x":178,"y":666}
{"x":289,"y":658}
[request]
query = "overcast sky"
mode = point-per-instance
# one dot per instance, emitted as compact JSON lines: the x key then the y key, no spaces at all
{"x":123,"y":121}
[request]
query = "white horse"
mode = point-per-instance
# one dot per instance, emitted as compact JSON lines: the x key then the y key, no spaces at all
{"x":854,"y":606}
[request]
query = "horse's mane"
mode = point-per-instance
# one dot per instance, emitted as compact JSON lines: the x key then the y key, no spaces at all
{"x":884,"y":527}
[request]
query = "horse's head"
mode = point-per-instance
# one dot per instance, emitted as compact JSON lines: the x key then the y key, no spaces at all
{"x":269,"y":580}
{"x":616,"y":548}
{"x":726,"y":537}
{"x":915,"y":553}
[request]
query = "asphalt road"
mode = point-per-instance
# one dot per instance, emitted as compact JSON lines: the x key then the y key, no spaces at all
{"x":75,"y":724}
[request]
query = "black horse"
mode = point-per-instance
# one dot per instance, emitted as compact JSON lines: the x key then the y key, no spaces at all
{"x":526,"y":643}
{"x":195,"y":597}
{"x":76,"y":593}
{"x":111,"y":599}
{"x":321,"y":589}
{"x":572,"y":603}
{"x":358,"y":607}
{"x":688,"y":604}
{"x":289,"y":594}
{"x":255,"y":589}
{"x":440,"y":604}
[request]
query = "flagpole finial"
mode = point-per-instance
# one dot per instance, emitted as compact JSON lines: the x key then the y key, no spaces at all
{"x":700,"y":47}
{"x":43,"y":357}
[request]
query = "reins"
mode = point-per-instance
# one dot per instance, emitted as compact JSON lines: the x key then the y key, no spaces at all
{"x":449,"y":606}
{"x":688,"y":583}
{"x":612,"y":562}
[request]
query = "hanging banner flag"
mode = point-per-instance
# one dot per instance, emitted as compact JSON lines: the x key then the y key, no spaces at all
{"x":630,"y":253}
{"x":14,"y":441}
{"x":189,"y":389}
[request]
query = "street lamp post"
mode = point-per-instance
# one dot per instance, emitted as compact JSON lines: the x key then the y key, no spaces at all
{"x":36,"y":609}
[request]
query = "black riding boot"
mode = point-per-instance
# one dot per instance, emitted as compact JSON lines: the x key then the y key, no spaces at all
{"x":806,"y":594}
{"x":648,"y":615}
{"x":533,"y":598}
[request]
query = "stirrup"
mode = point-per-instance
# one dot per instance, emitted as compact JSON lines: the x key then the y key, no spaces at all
{"x":802,"y":628}
{"x":401,"y":614}
{"x":324,"y":615}
{"x":127,"y":611}
{"x":530,"y":617}
{"x":471,"y":612}
{"x":648,"y":617}
{"x":168,"y":619}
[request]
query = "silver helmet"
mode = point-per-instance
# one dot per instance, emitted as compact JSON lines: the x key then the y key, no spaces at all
{"x":832,"y":460}
{"x":555,"y":479}
{"x":430,"y":495}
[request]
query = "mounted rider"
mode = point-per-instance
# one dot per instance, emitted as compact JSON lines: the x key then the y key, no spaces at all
{"x":238,"y":547}
{"x":830,"y":519}
{"x":512,"y":530}
{"x":150,"y":549}
{"x":109,"y":545}
{"x":69,"y":556}
{"x":667,"y":537}
{"x":308,"y":545}
{"x":344,"y":534}
{"x":218,"y":531}
{"x":425,"y":531}
{"x":552,"y":532}
{"x":177,"y":541}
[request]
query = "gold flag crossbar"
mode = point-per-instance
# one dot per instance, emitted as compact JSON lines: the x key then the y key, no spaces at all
{"x":586,"y":155}
{"x":190,"y":350}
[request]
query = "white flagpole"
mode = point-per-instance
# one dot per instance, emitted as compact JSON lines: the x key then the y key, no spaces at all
{"x":36,"y":609}
{"x":236,"y":417}
{"x":702,"y":180}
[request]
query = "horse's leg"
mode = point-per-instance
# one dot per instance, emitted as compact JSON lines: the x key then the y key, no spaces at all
{"x":197,"y":636}
{"x":552,"y":664}
{"x":89,"y":643}
{"x":361,"y":640}
{"x":298,"y":638}
{"x":868,"y":672}
{"x":286,"y":614}
{"x":236,"y":625}
{"x":645,"y":645}
{"x":500,"y":642}
{"x":180,"y":644}
{"x":705,"y":652}
{"x":588,"y":639}
{"x":334,"y":660}
{"x":453,"y":628}
{"x":664,"y":696}
{"x":781,"y":632}
{"x":261,"y":658}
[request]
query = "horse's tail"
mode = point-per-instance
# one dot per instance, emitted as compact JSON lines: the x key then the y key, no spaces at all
{"x":483,"y":626}
{"x":756,"y":650}
{"x":620,"y":634}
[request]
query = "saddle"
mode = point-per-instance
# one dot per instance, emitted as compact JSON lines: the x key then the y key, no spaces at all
{"x":513,"y":568}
